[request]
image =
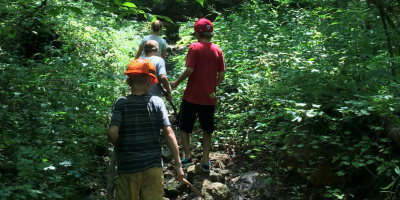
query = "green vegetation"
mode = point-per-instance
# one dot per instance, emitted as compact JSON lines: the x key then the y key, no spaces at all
{"x":311,"y":94}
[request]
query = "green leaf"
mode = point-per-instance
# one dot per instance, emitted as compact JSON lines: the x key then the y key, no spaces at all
{"x":397,"y":170}
{"x":76,"y":10}
{"x":9,"y":35}
{"x":34,"y":195}
{"x":98,"y":6}
{"x":103,"y":1}
{"x":120,"y":16}
{"x":370,"y":162}
{"x":335,"y":23}
{"x":164,"y":17}
{"x":389,"y":186}
{"x":201,"y":2}
{"x":340,"y":173}
{"x":112,"y":10}
{"x":129,"y":4}
{"x":2,"y":146}
{"x":54,"y":12}
{"x":117,"y":2}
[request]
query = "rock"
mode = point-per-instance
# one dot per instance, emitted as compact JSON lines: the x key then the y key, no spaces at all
{"x":168,"y":173}
{"x":219,"y":160}
{"x":215,"y":191}
{"x":224,"y":158}
{"x":216,"y":177}
{"x":174,"y":187}
{"x":166,"y":156}
{"x":165,"y":198}
{"x":248,"y":182}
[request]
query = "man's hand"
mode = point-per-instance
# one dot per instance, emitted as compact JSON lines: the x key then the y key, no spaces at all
{"x":169,"y":97}
{"x":174,"y":85}
{"x":179,"y":172}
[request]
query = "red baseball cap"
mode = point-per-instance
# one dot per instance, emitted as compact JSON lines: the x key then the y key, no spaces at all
{"x":203,"y":25}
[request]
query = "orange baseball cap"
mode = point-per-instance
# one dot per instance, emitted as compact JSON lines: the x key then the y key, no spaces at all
{"x":142,"y":66}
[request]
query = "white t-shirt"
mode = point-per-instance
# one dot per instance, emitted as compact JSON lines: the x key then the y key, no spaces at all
{"x":160,"y":69}
{"x":162,"y":44}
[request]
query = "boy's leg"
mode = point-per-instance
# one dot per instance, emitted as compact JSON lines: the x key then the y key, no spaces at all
{"x":128,"y":186}
{"x":153,"y":184}
{"x":206,"y":147}
{"x":186,"y":121}
{"x":206,"y":118}
{"x":185,"y":142}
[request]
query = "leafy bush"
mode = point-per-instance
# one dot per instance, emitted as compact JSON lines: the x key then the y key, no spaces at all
{"x":313,"y":82}
{"x":55,"y":105}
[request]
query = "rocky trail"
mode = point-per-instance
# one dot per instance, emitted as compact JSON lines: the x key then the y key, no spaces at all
{"x":225,"y":181}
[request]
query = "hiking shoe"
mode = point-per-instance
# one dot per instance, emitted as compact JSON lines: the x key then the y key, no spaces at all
{"x":206,"y":168}
{"x":187,"y":163}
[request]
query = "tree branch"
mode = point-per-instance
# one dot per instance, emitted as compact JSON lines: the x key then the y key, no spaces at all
{"x":44,"y":3}
{"x":381,"y":11}
{"x":381,"y":3}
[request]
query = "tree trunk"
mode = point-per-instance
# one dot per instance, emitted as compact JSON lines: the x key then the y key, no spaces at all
{"x":381,"y":11}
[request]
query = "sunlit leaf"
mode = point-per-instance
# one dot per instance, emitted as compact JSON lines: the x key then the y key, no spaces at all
{"x":129,"y":4}
{"x":201,"y":2}
{"x":164,"y":17}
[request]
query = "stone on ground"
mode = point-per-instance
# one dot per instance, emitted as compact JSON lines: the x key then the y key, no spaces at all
{"x":216,"y":191}
{"x":174,"y":187}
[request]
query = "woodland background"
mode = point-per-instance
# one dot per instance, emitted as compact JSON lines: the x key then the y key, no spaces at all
{"x":311,"y":95}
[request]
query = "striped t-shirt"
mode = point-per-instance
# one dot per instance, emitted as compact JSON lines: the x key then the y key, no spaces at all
{"x":139,"y":119}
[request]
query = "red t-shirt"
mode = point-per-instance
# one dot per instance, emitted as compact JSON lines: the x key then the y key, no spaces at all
{"x":206,"y":59}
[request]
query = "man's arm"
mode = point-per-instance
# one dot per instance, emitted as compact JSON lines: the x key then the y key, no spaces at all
{"x":112,"y":134}
{"x":182,"y":77}
{"x":164,"y":81}
{"x":139,"y":52}
{"x":220,"y":78}
{"x":173,"y":147}
{"x":163,"y":53}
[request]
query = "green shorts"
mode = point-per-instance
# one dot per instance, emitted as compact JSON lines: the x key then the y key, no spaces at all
{"x":147,"y":184}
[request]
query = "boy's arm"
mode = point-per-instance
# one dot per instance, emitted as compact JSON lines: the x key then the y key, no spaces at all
{"x":139,"y":52}
{"x":112,"y":134}
{"x":164,"y":81}
{"x":182,"y":77}
{"x":173,"y":147}
{"x":220,"y":78}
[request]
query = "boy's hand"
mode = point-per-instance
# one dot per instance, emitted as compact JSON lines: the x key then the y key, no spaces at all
{"x":174,"y":85}
{"x":169,"y":97}
{"x":179,"y":172}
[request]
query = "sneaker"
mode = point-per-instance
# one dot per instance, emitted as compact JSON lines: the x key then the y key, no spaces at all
{"x":186,"y":163}
{"x":206,"y":168}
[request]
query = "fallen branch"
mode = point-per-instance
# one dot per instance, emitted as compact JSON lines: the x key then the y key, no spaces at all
{"x":193,"y":188}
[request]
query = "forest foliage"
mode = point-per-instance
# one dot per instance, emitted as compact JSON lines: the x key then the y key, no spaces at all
{"x":311,"y":93}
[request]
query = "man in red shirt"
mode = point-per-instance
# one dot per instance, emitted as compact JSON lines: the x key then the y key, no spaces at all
{"x":205,"y":68}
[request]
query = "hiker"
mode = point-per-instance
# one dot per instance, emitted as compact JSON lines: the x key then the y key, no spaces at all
{"x":151,"y":51}
{"x":156,"y":27}
{"x":205,"y":68}
{"x":135,"y":130}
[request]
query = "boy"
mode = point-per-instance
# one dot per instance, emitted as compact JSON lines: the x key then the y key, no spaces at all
{"x":205,"y":68}
{"x":134,"y":130}
{"x":151,"y":51}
